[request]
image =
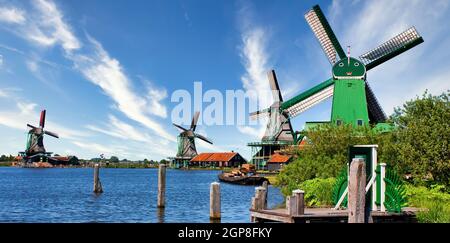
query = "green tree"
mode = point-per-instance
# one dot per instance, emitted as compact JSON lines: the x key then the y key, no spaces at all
{"x":114,"y":159}
{"x":423,"y":137}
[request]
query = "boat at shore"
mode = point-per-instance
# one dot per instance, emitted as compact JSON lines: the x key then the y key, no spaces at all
{"x":242,"y":179}
{"x":245,"y":175}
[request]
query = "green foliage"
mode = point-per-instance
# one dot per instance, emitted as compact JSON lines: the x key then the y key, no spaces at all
{"x":318,"y":192}
{"x":327,"y":152}
{"x":423,"y":137}
{"x":419,"y":146}
{"x":7,"y":158}
{"x":435,"y":201}
{"x":114,"y":159}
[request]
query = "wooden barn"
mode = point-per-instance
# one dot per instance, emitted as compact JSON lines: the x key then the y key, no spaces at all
{"x":278,"y":161}
{"x":223,"y":159}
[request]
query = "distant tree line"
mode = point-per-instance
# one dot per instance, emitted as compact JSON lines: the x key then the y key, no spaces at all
{"x":8,"y":158}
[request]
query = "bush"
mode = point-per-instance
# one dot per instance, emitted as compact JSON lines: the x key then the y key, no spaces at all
{"x":318,"y":191}
{"x":326,"y":154}
{"x":423,"y":137}
{"x":435,"y":202}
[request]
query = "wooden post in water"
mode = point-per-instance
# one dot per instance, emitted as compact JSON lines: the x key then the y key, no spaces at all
{"x":357,"y":191}
{"x":162,"y":186}
{"x":266,"y":186}
{"x":97,"y":184}
{"x":214,"y":201}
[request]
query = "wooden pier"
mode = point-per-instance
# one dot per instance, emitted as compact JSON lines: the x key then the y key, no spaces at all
{"x":329,"y":215}
{"x":357,"y":212}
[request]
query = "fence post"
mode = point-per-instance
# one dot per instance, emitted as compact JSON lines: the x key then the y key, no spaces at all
{"x":382,"y":187}
{"x":162,"y":186}
{"x":214,"y":201}
{"x":357,"y":191}
{"x":300,"y":201}
{"x":97,"y":184}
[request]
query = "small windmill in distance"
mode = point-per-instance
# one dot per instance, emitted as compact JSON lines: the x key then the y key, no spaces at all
{"x":186,"y":142}
{"x":35,"y":150}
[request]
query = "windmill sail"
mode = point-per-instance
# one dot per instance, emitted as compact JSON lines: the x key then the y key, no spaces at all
{"x":322,"y":30}
{"x":274,"y":86}
{"x":376,"y":113}
{"x":308,"y":99}
{"x":391,"y":48}
{"x":42,"y":119}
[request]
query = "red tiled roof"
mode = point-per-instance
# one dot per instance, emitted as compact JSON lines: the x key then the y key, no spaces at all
{"x":278,"y":158}
{"x":214,"y":157}
{"x":201,"y":157}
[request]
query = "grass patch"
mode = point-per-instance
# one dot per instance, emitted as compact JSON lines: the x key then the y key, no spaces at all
{"x":435,"y":201}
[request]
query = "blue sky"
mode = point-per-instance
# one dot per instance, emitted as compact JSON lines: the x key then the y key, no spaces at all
{"x":105,"y":71}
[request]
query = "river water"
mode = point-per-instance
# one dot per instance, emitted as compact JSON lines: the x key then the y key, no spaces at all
{"x":65,"y":196}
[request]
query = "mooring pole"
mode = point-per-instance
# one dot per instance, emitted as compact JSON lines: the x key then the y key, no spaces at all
{"x":214,"y":201}
{"x":266,"y":186}
{"x":97,"y":184}
{"x":161,"y":186}
{"x":357,"y":191}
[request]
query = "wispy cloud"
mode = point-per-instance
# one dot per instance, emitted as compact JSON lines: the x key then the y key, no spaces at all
{"x":49,"y":27}
{"x":12,"y":15}
{"x":254,"y":57}
{"x":106,"y":72}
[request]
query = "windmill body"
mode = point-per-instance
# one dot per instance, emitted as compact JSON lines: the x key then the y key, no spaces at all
{"x":186,"y":143}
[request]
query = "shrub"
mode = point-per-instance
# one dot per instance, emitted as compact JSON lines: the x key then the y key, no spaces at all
{"x":318,"y":191}
{"x":435,"y":201}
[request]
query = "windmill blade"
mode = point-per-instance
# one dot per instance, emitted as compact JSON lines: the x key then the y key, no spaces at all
{"x":392,"y":48}
{"x":180,"y":127}
{"x":42,"y":120}
{"x":257,"y":114}
{"x":376,"y":113}
{"x":323,"y":32}
{"x":276,"y":93}
{"x":51,"y":134}
{"x":203,"y":138}
{"x":308,"y":99}
{"x":194,"y":120}
{"x":31,"y":126}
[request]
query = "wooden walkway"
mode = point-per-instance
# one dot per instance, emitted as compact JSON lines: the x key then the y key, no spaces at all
{"x":329,"y":215}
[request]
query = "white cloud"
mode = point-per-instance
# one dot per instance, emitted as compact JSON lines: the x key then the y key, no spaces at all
{"x":108,"y":74}
{"x":254,"y":57}
{"x":95,"y":147}
{"x":120,"y":129}
{"x":155,"y":96}
{"x":49,"y":28}
{"x":12,"y":15}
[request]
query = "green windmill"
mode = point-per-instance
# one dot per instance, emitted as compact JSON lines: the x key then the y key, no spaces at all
{"x":353,"y":100}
